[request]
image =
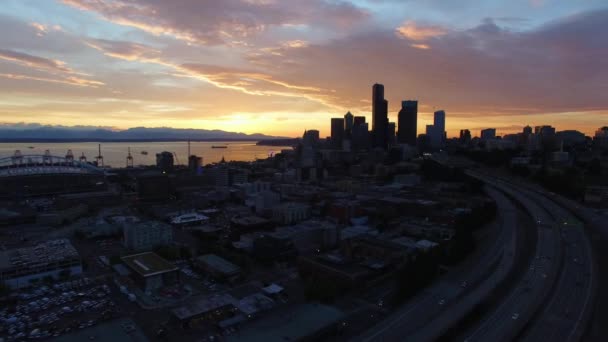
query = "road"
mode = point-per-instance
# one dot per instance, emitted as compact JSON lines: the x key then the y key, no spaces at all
{"x":510,"y":316}
{"x":449,"y":295}
{"x":557,"y":305}
{"x":567,"y":310}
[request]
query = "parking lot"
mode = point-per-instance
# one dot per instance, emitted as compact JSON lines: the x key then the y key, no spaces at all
{"x":50,"y":311}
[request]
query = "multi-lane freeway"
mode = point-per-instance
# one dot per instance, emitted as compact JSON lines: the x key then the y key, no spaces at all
{"x":458,"y":294}
{"x":551,"y":299}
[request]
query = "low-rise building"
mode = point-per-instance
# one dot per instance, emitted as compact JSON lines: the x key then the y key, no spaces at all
{"x":218,"y":267}
{"x":309,"y":235}
{"x":151,"y":272}
{"x":290,"y":213}
{"x":145,"y":236}
{"x":22,"y":266}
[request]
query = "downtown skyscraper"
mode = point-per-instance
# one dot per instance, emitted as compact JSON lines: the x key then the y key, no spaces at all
{"x":379,"y":117}
{"x":408,"y":123}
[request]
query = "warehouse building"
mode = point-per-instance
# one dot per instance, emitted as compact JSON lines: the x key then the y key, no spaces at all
{"x":150,"y":271}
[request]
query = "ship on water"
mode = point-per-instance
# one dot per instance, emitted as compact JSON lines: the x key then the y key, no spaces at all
{"x":219,"y":146}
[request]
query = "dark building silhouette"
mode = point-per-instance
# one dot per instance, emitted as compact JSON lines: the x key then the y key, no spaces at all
{"x":337,"y":132}
{"x":360,"y":135}
{"x":195,"y":164}
{"x":392,"y":138}
{"x":465,"y":136}
{"x":408,"y":123}
{"x":379,"y":117}
{"x":310,"y":137}
{"x":359,"y":120}
{"x":164,"y":161}
{"x":348,"y":124}
{"x":488,"y":134}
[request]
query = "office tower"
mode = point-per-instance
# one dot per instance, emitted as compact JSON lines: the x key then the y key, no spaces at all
{"x":465,"y":136}
{"x":408,"y":122}
{"x":360,"y":136}
{"x":547,"y":136}
{"x":359,"y":120}
{"x":379,"y":117}
{"x":348,"y":124}
{"x":488,"y":134}
{"x":436,"y":132}
{"x":439,"y":122}
{"x":337,"y":132}
{"x":527,"y":130}
{"x":392,"y":139}
{"x":310,"y":137}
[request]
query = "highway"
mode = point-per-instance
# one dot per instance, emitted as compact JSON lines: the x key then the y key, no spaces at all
{"x":555,"y":301}
{"x":505,"y":322}
{"x":449,"y":294}
{"x":553,"y":298}
{"x":565,"y":314}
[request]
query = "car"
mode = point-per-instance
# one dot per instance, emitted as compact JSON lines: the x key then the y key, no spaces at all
{"x":515,"y":316}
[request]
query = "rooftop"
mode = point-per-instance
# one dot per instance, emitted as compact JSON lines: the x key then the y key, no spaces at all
{"x":220,"y":264}
{"x":148,"y":264}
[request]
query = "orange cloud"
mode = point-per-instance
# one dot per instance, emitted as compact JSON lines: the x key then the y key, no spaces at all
{"x":420,"y":46}
{"x":413,"y":31}
{"x":75,"y":81}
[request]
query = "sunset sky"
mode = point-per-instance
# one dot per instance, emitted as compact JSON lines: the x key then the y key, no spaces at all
{"x":281,"y":66}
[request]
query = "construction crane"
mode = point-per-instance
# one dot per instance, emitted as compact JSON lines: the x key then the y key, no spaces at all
{"x":99,"y":157}
{"x":129,"y":159}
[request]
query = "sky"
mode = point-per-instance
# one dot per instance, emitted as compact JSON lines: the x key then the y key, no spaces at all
{"x":282,"y":66}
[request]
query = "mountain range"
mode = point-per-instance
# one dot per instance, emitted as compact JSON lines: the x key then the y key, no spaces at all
{"x":37,"y":132}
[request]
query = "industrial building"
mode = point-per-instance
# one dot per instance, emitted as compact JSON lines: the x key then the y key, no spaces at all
{"x":151,"y":272}
{"x":22,"y":266}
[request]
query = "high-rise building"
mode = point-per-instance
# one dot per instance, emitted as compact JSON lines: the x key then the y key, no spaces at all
{"x":359,"y":120}
{"x":488,"y":134}
{"x":310,"y":137}
{"x":408,"y":122}
{"x":337,"y":132}
{"x":547,"y":137}
{"x":465,"y":136}
{"x":436,"y":132}
{"x":392,"y":138}
{"x":379,"y":117}
{"x":360,"y":139}
{"x":348,"y":124}
{"x":439,"y":122}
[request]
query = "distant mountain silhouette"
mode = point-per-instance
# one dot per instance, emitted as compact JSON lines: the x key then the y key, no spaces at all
{"x":36,"y":132}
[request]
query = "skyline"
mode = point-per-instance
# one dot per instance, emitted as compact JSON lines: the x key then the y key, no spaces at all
{"x":279,"y":67}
